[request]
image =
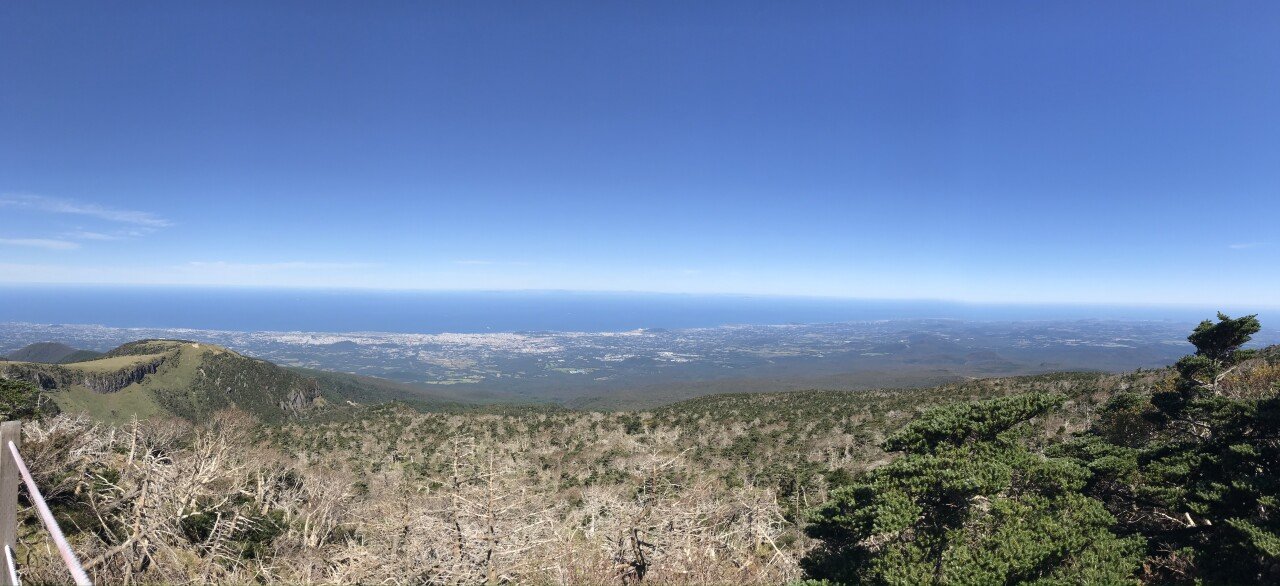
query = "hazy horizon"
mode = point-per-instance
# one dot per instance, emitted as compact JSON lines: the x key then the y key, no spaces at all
{"x":345,"y":310}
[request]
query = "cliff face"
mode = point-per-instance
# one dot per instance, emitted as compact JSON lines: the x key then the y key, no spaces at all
{"x":301,"y":398}
{"x":114,"y":381}
{"x":52,"y":377}
{"x":46,"y":377}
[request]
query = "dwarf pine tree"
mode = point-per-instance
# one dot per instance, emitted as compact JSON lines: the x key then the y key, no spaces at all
{"x":1200,"y":375}
{"x":1195,"y":471}
{"x":969,"y":503}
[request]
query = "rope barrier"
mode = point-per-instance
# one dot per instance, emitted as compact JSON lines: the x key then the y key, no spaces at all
{"x":46,"y":517}
{"x":10,"y":566}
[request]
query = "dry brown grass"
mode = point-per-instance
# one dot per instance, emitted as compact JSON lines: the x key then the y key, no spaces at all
{"x":130,"y":496}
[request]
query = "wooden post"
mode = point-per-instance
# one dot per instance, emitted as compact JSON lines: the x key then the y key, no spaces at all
{"x":10,"y":431}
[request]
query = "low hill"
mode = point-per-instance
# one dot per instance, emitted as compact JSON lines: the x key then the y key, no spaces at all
{"x":52,"y":353}
{"x":356,"y":390}
{"x":191,"y":380}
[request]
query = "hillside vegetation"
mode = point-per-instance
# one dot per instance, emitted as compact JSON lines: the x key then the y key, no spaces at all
{"x":52,"y":353}
{"x":153,"y":378}
{"x":1162,"y":476}
{"x":344,"y":389}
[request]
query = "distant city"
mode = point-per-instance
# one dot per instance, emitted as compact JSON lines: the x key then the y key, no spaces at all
{"x":578,"y":366}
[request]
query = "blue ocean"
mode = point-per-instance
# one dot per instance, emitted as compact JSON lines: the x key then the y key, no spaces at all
{"x":245,"y":309}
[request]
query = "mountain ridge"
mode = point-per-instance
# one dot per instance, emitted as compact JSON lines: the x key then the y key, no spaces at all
{"x":192,"y":380}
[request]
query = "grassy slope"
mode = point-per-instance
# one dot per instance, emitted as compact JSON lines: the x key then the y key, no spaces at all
{"x":115,"y":407}
{"x":110,"y":364}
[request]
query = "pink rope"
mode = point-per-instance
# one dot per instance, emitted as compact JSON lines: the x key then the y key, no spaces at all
{"x":46,"y":517}
{"x":10,"y":566}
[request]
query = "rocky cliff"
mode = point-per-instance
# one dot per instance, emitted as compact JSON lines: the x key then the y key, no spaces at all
{"x":52,"y":377}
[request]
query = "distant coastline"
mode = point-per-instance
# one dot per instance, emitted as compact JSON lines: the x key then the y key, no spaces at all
{"x":495,"y":311}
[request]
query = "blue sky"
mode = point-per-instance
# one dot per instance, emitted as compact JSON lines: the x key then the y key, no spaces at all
{"x":1028,"y":151}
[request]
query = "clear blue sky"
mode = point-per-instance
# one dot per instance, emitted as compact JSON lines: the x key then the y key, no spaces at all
{"x":1022,"y":151}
